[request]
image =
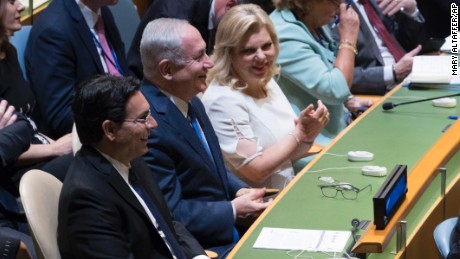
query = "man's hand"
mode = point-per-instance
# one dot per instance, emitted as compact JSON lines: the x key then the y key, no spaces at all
{"x":404,"y":65}
{"x":355,"y":104}
{"x":390,"y":7}
{"x":7,"y":116}
{"x":250,"y":202}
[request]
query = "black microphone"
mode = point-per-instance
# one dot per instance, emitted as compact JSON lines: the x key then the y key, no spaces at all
{"x":355,"y":224}
{"x":390,"y":105}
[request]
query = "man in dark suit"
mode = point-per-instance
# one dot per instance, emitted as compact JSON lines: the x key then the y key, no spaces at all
{"x":376,"y":71}
{"x":454,"y":242}
{"x":110,"y":205}
{"x":63,"y":51}
{"x":187,"y":161}
{"x":197,"y":12}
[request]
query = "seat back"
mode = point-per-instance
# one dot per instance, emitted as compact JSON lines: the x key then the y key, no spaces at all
{"x":19,"y":41}
{"x":442,"y":234}
{"x":76,"y":144}
{"x":40,"y":198}
{"x":127,"y":19}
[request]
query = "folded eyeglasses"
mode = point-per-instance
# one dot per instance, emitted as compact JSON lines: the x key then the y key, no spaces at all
{"x":348,"y":191}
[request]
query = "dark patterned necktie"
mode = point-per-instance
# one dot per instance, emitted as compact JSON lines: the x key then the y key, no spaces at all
{"x":162,"y":226}
{"x":388,"y":39}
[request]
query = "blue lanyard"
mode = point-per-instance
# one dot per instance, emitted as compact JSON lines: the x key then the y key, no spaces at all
{"x":116,"y":64}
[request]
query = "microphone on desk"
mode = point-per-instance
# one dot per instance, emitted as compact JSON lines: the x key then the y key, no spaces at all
{"x":390,"y":105}
{"x":355,"y":224}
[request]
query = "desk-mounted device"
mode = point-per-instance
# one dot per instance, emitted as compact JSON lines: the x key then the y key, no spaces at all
{"x":390,"y":196}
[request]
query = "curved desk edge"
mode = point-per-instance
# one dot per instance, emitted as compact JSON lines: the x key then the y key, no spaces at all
{"x":375,"y":241}
{"x":304,"y":170}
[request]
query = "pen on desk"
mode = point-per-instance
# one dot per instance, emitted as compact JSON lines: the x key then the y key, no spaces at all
{"x":337,"y":20}
{"x":453,"y":117}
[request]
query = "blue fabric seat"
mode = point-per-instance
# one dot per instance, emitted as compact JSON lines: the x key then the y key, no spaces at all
{"x":442,"y":234}
{"x":19,"y":41}
{"x":127,"y":19}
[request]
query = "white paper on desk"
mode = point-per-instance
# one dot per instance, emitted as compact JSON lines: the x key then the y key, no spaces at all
{"x":431,"y":69}
{"x":302,"y":239}
{"x":447,"y":46}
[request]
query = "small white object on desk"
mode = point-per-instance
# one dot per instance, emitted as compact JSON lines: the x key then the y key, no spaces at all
{"x":360,"y":156}
{"x":374,"y":170}
{"x":447,"y":102}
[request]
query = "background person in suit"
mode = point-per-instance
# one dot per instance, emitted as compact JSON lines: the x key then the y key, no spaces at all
{"x":313,"y":66}
{"x":454,"y":242}
{"x":62,"y":51}
{"x":184,"y":152}
{"x":110,"y":206}
{"x":376,"y":70}
{"x":202,"y":14}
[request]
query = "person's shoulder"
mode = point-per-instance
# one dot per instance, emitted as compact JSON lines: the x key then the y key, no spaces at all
{"x":287,"y":26}
{"x":54,"y":11}
{"x":86,"y":165}
{"x":222,"y":94}
{"x":273,"y":85}
{"x":276,"y":14}
{"x":51,"y":23}
{"x":216,"y":90}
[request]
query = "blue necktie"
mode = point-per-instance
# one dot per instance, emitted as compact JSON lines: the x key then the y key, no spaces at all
{"x":194,"y":121}
{"x":162,"y":226}
{"x":196,"y":127}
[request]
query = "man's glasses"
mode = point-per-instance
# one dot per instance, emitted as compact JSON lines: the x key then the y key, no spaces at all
{"x":348,"y":191}
{"x":146,"y":119}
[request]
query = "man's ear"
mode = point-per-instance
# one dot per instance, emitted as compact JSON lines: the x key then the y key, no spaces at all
{"x":165,"y":68}
{"x":108,"y":129}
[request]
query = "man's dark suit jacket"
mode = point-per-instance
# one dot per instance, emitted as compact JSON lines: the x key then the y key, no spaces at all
{"x":368,"y":73}
{"x":454,"y":242}
{"x":194,"y":11}
{"x":14,"y":140}
{"x":438,"y":16}
{"x":60,"y":54}
{"x":198,"y":191}
{"x":100,"y":217}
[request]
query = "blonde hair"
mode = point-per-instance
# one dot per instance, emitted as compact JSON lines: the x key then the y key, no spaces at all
{"x":237,"y":23}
